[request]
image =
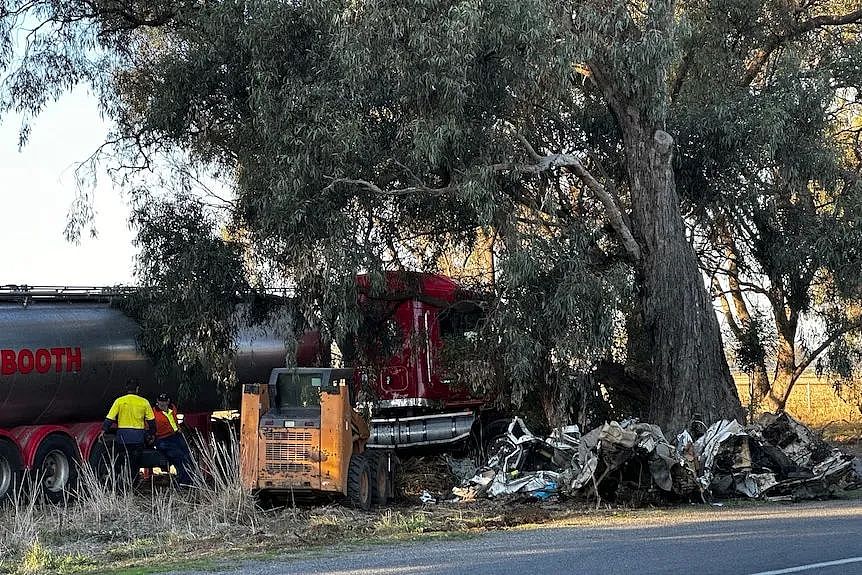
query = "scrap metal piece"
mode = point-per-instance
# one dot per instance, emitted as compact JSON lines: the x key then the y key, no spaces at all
{"x":727,"y":459}
{"x":588,"y":471}
{"x":546,"y":481}
{"x":567,"y":438}
{"x":512,"y":470}
{"x":754,"y":485}
{"x":708,"y":446}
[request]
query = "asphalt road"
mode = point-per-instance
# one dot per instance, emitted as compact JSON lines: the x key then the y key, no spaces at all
{"x":823,"y":538}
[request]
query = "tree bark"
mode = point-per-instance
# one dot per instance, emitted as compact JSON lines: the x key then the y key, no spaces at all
{"x":691,"y":375}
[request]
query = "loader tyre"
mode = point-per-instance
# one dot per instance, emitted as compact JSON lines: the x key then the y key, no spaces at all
{"x":56,"y":467}
{"x":359,"y":482}
{"x":10,"y":469}
{"x":380,"y":477}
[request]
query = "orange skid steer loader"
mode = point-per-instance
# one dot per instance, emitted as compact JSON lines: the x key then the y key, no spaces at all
{"x":300,"y":435}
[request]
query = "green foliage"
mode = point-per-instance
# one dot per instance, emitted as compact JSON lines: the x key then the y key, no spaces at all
{"x":192,"y":282}
{"x":769,"y":174}
{"x":753,"y":345}
{"x":359,"y":142}
{"x":554,"y":317}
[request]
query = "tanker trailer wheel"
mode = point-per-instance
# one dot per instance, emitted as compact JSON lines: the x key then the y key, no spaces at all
{"x":10,"y":469}
{"x":359,"y":482}
{"x":56,"y":467}
{"x":104,"y":463}
{"x":379,"y":467}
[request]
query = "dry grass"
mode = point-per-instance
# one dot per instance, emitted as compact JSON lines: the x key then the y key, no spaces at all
{"x":105,"y":521}
{"x":429,"y":473}
{"x":20,"y":524}
{"x":816,"y":403}
{"x":107,"y":526}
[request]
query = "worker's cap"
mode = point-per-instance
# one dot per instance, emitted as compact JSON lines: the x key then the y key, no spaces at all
{"x":163,"y":397}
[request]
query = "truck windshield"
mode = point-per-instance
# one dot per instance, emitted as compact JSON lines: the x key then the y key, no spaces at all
{"x":299,"y":392}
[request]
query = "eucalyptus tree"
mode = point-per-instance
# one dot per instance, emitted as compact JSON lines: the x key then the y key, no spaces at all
{"x":377,"y":135}
{"x":770,"y":174}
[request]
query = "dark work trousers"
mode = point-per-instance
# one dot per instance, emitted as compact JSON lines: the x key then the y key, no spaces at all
{"x":132,"y":462}
{"x":176,"y":451}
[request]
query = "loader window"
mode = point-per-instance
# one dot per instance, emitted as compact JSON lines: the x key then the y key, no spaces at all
{"x":298,"y":391}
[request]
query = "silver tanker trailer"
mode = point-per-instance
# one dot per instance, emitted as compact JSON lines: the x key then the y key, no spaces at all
{"x":65,"y":355}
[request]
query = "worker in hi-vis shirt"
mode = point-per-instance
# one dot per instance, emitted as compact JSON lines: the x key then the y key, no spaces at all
{"x":136,"y":424}
{"x":170,"y":441}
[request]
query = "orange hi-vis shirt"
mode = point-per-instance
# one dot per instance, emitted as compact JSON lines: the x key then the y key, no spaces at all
{"x":166,"y":422}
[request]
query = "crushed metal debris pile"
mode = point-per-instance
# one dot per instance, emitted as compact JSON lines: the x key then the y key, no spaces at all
{"x":775,"y":458}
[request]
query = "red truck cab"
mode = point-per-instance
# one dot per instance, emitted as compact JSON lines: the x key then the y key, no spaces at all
{"x":406,"y":380}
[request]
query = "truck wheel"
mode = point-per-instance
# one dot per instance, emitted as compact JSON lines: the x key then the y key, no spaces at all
{"x":380,"y":481}
{"x":10,"y":468}
{"x":56,"y":466}
{"x":103,"y":462}
{"x":359,"y":482}
{"x":493,"y":439}
{"x":500,"y":446}
{"x":393,"y":468}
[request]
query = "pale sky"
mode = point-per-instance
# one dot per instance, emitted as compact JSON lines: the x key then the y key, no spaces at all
{"x":37,"y":187}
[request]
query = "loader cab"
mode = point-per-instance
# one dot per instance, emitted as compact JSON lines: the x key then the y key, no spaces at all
{"x":298,"y":392}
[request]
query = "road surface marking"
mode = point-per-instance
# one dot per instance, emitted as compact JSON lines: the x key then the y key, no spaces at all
{"x":811,"y":566}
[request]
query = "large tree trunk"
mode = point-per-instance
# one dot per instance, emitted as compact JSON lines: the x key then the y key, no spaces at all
{"x":692,"y":379}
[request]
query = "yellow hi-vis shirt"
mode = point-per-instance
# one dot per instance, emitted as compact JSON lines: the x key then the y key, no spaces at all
{"x":131,"y":412}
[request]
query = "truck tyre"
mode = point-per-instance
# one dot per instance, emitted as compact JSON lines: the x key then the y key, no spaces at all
{"x":55,"y":466}
{"x":492,"y":439}
{"x":359,"y":482}
{"x":380,"y":478}
{"x":393,"y":468}
{"x":102,"y":462}
{"x":10,"y":469}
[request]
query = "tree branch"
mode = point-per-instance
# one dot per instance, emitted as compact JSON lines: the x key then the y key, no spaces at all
{"x":748,"y":285}
{"x":721,"y":295}
{"x":372,"y":187}
{"x":572,"y":163}
{"x":820,"y":349}
{"x":679,"y":77}
{"x":761,"y":56}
